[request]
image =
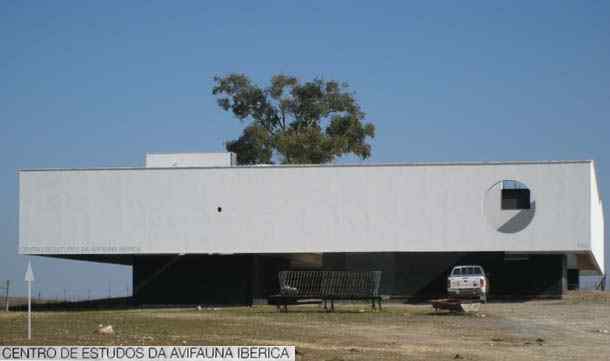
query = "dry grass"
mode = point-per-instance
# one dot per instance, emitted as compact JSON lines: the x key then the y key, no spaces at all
{"x":21,"y":301}
{"x":567,"y":329}
{"x":591,"y":296}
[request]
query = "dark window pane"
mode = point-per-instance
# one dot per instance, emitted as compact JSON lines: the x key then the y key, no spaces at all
{"x":515,"y":199}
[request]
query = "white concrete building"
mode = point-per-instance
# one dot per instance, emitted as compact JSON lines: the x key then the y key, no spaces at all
{"x":414,"y":221}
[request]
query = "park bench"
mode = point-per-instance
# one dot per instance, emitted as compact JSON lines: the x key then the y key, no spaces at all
{"x":306,"y":287}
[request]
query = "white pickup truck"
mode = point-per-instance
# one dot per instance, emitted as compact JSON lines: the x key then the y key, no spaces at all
{"x":468,"y":281}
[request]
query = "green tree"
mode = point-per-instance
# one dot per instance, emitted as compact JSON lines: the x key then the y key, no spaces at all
{"x":311,"y":122}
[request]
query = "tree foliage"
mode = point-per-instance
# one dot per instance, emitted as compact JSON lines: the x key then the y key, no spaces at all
{"x":311,"y":122}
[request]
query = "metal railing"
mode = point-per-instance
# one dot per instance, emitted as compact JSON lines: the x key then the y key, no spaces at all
{"x":330,"y":284}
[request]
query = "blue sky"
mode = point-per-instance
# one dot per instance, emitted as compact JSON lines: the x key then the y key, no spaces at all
{"x":89,"y":83}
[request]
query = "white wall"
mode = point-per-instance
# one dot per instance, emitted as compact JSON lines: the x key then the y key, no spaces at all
{"x":300,"y":209}
{"x":597,"y":222}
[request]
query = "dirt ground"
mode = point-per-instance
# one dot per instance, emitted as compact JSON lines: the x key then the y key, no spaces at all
{"x":576,"y":327}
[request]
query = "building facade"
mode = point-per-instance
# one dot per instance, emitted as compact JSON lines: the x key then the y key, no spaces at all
{"x":200,"y":230}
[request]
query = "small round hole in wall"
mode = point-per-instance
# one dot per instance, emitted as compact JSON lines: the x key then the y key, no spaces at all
{"x":219,"y":209}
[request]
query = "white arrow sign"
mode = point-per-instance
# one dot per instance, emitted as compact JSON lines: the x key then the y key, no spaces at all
{"x":29,"y":274}
{"x":29,"y":278}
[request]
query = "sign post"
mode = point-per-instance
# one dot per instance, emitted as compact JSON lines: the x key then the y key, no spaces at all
{"x":29,"y":278}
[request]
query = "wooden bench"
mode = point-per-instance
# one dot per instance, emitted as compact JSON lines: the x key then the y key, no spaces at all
{"x":306,"y":287}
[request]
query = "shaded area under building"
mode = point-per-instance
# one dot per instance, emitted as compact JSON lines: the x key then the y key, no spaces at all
{"x":247,"y":279}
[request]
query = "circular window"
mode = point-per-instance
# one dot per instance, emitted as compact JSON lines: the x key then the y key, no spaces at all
{"x":509,"y":206}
